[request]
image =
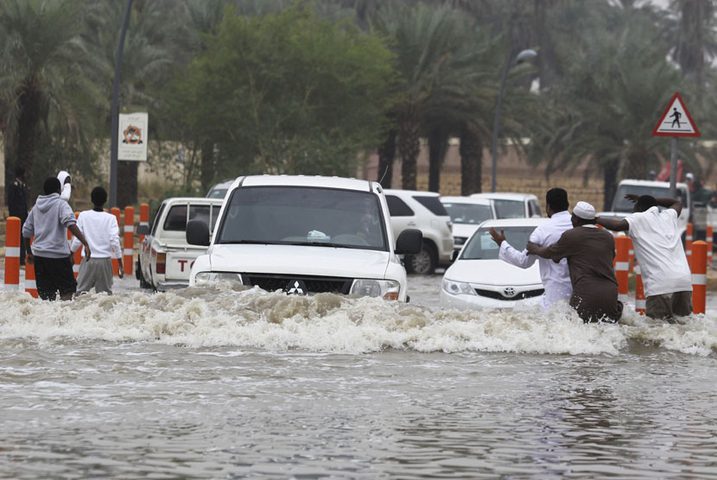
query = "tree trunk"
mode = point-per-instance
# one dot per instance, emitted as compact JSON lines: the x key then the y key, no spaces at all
{"x":610,"y":177}
{"x":27,"y":134}
{"x":207,"y":171}
{"x":386,"y":156}
{"x":471,"y":151}
{"x":127,"y":183}
{"x":408,"y":148}
{"x":437,"y":147}
{"x":636,"y":166}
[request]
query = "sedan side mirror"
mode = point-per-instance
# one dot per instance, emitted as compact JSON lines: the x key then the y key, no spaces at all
{"x":197,"y":233}
{"x":409,"y":242}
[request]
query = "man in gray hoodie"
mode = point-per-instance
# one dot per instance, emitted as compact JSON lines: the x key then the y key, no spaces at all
{"x":48,"y":222}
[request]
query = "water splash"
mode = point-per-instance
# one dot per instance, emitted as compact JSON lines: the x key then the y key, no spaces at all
{"x":332,"y":323}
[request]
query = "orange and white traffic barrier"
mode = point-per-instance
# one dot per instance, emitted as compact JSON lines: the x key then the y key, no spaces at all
{"x":622,"y":265}
{"x":30,"y":281}
{"x":12,"y":253}
{"x":699,"y":276}
{"x":640,"y":304}
{"x":115,"y":262}
{"x":631,"y":257}
{"x":709,"y":239}
{"x":128,"y":252}
{"x":143,"y":218}
{"x":688,"y":242}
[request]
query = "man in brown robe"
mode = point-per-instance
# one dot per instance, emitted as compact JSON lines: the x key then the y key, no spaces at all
{"x":590,"y":252}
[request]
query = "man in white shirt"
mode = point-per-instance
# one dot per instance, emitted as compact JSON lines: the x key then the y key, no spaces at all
{"x":555,"y":276}
{"x":102,"y":233}
{"x":658,"y":249}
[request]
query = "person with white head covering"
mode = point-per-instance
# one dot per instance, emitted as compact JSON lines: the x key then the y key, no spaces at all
{"x":590,"y":252}
{"x":66,"y":185}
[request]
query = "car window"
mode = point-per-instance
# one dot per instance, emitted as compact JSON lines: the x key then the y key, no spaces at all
{"x":482,"y":247}
{"x":433,"y":204}
{"x":176,"y":220}
{"x":622,"y":204}
{"x":534,"y":209}
{"x":155,"y":220}
{"x":468,"y":213}
{"x":309,"y":216}
{"x":509,"y":208}
{"x":200,"y":212}
{"x":397,"y":207}
{"x":217,"y":193}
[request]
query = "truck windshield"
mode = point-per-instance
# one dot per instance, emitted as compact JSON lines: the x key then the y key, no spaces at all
{"x":509,"y":208}
{"x":468,"y":213}
{"x":621,"y":204}
{"x":482,"y":247}
{"x":312,"y":216}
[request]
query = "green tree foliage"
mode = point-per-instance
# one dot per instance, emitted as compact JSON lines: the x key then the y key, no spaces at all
{"x":287,"y":92}
{"x":616,"y":84}
{"x":49,"y":94}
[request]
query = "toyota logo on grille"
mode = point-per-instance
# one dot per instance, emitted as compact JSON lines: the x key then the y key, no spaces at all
{"x":509,"y":292}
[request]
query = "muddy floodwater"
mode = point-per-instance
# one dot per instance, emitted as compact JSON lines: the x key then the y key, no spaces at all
{"x":247,"y":384}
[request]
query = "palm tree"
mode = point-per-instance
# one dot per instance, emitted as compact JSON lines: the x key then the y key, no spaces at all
{"x":46,"y":85}
{"x":427,"y":43}
{"x":157,"y":42}
{"x":612,"y":108}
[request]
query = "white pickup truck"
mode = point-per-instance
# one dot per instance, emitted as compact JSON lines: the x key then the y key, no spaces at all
{"x":622,"y":207}
{"x":165,"y":257}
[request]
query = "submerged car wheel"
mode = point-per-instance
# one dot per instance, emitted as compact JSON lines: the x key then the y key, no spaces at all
{"x":424,"y":262}
{"x":142,"y":282}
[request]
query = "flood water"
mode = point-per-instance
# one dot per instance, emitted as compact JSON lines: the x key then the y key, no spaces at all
{"x":225,"y":384}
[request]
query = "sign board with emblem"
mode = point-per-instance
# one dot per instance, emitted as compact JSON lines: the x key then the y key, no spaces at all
{"x":132,"y":145}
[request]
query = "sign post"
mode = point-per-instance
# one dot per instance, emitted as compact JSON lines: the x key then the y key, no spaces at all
{"x":676,"y":121}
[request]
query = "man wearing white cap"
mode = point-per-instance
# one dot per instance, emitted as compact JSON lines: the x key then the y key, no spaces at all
{"x":658,"y":249}
{"x":590,"y":252}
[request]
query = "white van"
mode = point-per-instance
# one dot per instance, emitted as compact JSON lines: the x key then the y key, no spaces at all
{"x":304,"y":235}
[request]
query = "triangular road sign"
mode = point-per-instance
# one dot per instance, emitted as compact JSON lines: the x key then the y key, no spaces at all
{"x":676,"y":121}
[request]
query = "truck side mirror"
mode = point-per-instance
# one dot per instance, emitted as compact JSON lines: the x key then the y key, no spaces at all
{"x":143,"y":230}
{"x":409,"y":242}
{"x":197,"y":233}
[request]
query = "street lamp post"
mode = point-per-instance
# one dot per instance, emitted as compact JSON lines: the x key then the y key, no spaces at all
{"x":510,"y":62}
{"x":114,"y":111}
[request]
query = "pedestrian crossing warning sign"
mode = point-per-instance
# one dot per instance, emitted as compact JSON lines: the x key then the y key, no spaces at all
{"x":676,"y":121}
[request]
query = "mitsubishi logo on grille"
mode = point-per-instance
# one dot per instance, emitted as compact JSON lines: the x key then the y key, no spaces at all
{"x":295,"y":287}
{"x":509,"y":292}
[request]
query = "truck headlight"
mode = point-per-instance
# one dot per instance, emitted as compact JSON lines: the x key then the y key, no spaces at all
{"x":386,"y":289}
{"x":457,"y":288}
{"x":217,"y":278}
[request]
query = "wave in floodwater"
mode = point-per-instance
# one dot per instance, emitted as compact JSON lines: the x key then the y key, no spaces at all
{"x":332,"y":323}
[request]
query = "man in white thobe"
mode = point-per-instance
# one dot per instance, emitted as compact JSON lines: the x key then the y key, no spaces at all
{"x":555,"y":276}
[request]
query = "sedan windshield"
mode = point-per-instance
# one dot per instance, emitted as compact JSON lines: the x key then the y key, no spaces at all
{"x":509,"y":209}
{"x":482,"y":247}
{"x":468,"y":213}
{"x":304,"y":216}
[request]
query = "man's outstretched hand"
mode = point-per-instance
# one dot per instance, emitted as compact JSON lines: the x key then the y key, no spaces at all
{"x":632,"y":197}
{"x":498,"y":237}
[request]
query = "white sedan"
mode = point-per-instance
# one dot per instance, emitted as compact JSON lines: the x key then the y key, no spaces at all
{"x":479,"y":279}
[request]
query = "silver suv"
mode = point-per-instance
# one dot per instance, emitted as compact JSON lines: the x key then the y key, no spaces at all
{"x":424,"y":211}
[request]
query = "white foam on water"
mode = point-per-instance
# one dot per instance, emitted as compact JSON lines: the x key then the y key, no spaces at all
{"x":332,"y":323}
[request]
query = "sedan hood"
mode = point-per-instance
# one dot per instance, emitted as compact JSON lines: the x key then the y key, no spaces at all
{"x":493,"y":272}
{"x":299,"y":260}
